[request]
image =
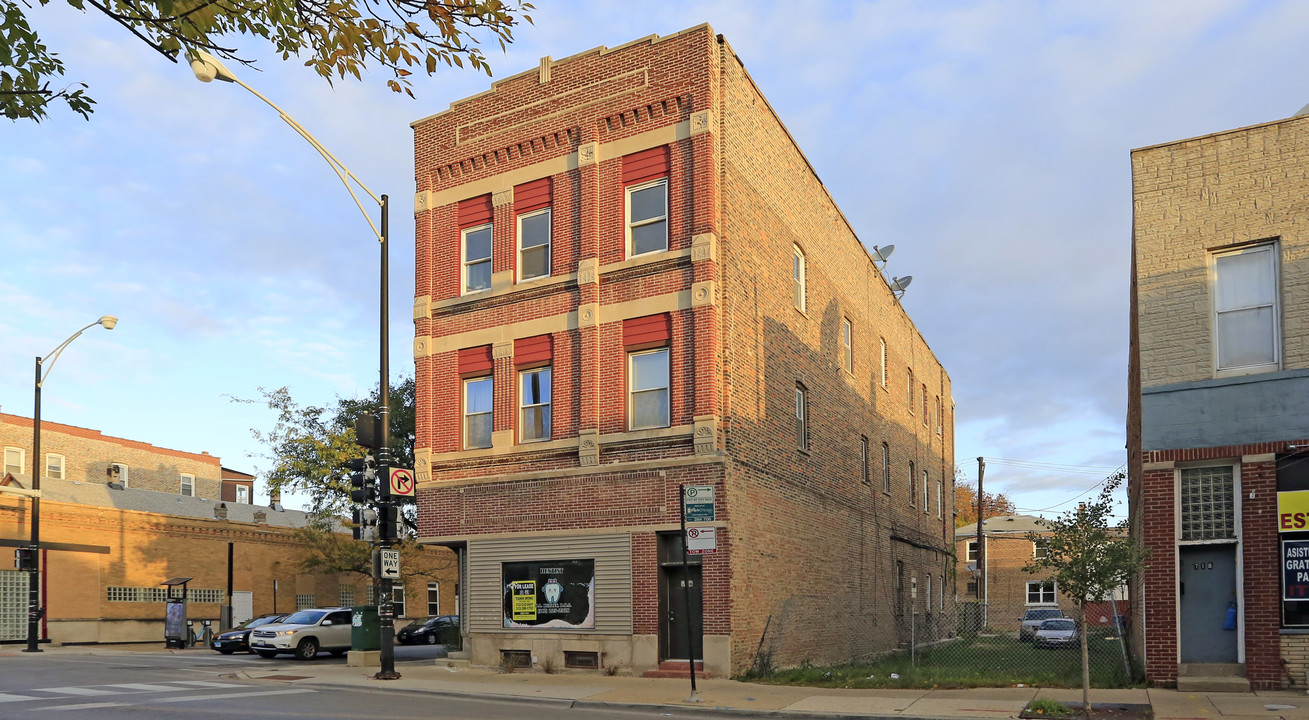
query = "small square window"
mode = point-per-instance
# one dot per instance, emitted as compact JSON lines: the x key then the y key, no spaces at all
{"x":647,"y":217}
{"x":478,"y":394}
{"x":477,"y":258}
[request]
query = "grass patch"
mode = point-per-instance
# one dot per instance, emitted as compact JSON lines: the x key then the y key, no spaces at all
{"x":980,"y":661}
{"x":1050,"y":707}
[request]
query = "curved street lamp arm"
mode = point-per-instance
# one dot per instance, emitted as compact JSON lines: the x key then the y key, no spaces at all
{"x":342,"y":172}
{"x":48,"y":361}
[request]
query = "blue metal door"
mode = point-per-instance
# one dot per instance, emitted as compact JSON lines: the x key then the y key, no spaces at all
{"x":1207,"y":588}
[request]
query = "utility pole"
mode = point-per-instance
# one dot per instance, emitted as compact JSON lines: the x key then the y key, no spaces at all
{"x":981,"y":539}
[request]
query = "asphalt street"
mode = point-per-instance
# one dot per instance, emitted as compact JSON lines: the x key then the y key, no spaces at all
{"x":203,"y":684}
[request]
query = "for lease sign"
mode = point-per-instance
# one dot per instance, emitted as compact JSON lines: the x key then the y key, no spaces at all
{"x":1293,"y":511}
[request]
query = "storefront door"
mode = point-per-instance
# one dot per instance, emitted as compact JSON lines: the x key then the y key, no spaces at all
{"x":1207,"y":589}
{"x":679,"y":620}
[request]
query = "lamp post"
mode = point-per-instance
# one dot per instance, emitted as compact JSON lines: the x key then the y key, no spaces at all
{"x":34,"y":611}
{"x":207,"y":68}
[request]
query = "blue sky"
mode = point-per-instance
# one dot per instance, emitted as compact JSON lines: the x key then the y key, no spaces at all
{"x":988,"y":141}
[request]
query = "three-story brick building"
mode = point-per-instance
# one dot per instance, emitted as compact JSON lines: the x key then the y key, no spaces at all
{"x":630,"y":279}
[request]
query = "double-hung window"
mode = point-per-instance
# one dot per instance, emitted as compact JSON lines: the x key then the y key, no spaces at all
{"x":532,"y":208}
{"x":54,"y":466}
{"x":478,"y":394}
{"x":186,"y":485}
{"x":648,"y":380}
{"x":534,"y":404}
{"x":434,"y":598}
{"x":970,"y":553}
{"x":797,"y":277}
{"x":14,"y":460}
{"x":801,"y":417}
{"x":475,"y":244}
{"x":645,"y":177}
{"x":1246,"y":321}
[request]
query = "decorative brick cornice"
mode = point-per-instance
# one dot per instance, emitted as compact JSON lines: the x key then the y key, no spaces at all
{"x":588,"y":154}
{"x":502,"y":197}
{"x":702,"y":122}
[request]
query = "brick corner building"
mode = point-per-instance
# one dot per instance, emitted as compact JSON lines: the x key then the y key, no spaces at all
{"x":629,"y":279}
{"x":1218,"y":401}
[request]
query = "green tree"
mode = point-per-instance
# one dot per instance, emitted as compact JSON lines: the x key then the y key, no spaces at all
{"x":1088,"y":558}
{"x":333,"y":37}
{"x":309,"y":445}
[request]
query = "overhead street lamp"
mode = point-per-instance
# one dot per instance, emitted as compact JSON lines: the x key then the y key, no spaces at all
{"x":32,"y":561}
{"x":207,"y":68}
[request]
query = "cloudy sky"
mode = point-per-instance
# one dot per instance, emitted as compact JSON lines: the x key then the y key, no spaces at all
{"x":988,"y":141}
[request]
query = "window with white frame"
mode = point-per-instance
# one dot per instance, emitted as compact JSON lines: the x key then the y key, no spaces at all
{"x":54,"y":466}
{"x":797,"y":277}
{"x":647,"y":217}
{"x":1245,"y":309}
{"x":940,"y":501}
{"x":648,"y":380}
{"x":187,"y":485}
{"x":534,"y":244}
{"x":433,"y":598}
{"x":477,"y":258}
{"x":970,"y":553}
{"x":120,"y":474}
{"x":534,"y":405}
{"x":398,"y":599}
{"x":886,"y":468}
{"x":478,"y":403}
{"x":14,"y":460}
{"x":1041,"y":592}
{"x":1041,"y":549}
{"x":883,"y":367}
{"x":863,"y":459}
{"x":243,"y":494}
{"x":847,"y":345}
{"x":927,"y":499}
{"x":801,"y":417}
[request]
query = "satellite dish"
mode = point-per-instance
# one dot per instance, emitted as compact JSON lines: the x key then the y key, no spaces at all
{"x":882,"y":254}
{"x":901,"y":284}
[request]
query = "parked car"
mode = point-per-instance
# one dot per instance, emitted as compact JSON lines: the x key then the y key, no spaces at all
{"x":304,"y":633}
{"x":238,"y":638}
{"x":1059,"y":632}
{"x":1033,"y":618}
{"x":427,"y":630}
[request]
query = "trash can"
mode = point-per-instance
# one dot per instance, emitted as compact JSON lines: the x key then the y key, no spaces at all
{"x":365,"y":628}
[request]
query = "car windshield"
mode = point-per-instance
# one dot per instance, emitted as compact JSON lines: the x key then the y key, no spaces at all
{"x":256,"y":622}
{"x":305,"y":617}
{"x":1042,"y":614}
{"x":1057,"y":625}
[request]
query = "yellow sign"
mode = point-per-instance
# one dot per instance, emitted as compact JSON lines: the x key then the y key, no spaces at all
{"x":1293,"y":511}
{"x":524,"y":600}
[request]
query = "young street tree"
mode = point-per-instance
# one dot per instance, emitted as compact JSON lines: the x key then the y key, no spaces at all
{"x":333,"y":37}
{"x":1088,"y":559}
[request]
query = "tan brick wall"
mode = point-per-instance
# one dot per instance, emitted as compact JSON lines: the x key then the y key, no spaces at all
{"x":88,"y":455}
{"x":1212,"y":192}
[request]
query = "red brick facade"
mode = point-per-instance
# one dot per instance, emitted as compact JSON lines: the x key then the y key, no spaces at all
{"x":807,"y":547}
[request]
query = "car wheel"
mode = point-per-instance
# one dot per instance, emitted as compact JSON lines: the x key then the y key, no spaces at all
{"x":431,"y":638}
{"x":307,"y":649}
{"x":266,"y":654}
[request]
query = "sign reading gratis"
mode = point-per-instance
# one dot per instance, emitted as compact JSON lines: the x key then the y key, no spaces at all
{"x":1295,"y":569}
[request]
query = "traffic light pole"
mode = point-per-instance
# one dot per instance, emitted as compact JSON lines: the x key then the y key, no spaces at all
{"x":386,"y":612}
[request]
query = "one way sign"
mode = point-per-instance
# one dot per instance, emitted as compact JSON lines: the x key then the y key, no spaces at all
{"x":390,"y":560}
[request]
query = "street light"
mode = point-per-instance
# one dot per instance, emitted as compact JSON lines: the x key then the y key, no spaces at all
{"x":207,"y":68}
{"x":34,"y":610}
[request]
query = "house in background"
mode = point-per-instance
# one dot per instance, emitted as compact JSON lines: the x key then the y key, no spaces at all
{"x":119,"y":516}
{"x":1218,"y":414}
{"x":630,"y":281}
{"x":1010,"y":591}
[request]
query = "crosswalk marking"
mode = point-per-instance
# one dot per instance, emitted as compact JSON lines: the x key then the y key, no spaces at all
{"x":82,"y":706}
{"x":143,"y":687}
{"x":75,"y":691}
{"x":207,"y":684}
{"x":170,"y":686}
{"x":220,"y":696}
{"x":5,"y":697}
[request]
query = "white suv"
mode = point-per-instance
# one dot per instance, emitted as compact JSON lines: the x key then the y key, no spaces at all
{"x":305,"y":633}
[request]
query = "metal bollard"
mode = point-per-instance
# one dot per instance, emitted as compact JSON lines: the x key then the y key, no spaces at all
{"x":208,"y":637}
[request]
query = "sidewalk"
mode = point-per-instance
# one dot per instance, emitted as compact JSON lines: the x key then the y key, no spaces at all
{"x":595,"y":689}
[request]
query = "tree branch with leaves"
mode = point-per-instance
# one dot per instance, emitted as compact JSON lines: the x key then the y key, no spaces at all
{"x":332,"y":37}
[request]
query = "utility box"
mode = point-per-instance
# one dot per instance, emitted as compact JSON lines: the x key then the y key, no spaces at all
{"x":365,"y":628}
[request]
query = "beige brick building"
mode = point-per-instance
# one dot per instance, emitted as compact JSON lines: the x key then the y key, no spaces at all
{"x":118,"y":517}
{"x":1218,"y":414}
{"x":630,"y":279}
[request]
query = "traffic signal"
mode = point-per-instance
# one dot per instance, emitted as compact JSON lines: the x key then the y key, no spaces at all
{"x":24,"y":558}
{"x":388,"y":522}
{"x":361,"y":480}
{"x":364,"y":521}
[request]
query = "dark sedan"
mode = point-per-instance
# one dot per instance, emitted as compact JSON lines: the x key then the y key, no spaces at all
{"x":428,"y":630}
{"x":238,"y":638}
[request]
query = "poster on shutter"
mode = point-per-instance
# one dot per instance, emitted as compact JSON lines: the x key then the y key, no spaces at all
{"x":1295,"y":569}
{"x":561,"y":594}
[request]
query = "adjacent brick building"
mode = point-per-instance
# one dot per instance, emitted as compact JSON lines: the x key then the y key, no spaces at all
{"x":1219,"y":401}
{"x":119,"y":516}
{"x":630,"y":279}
